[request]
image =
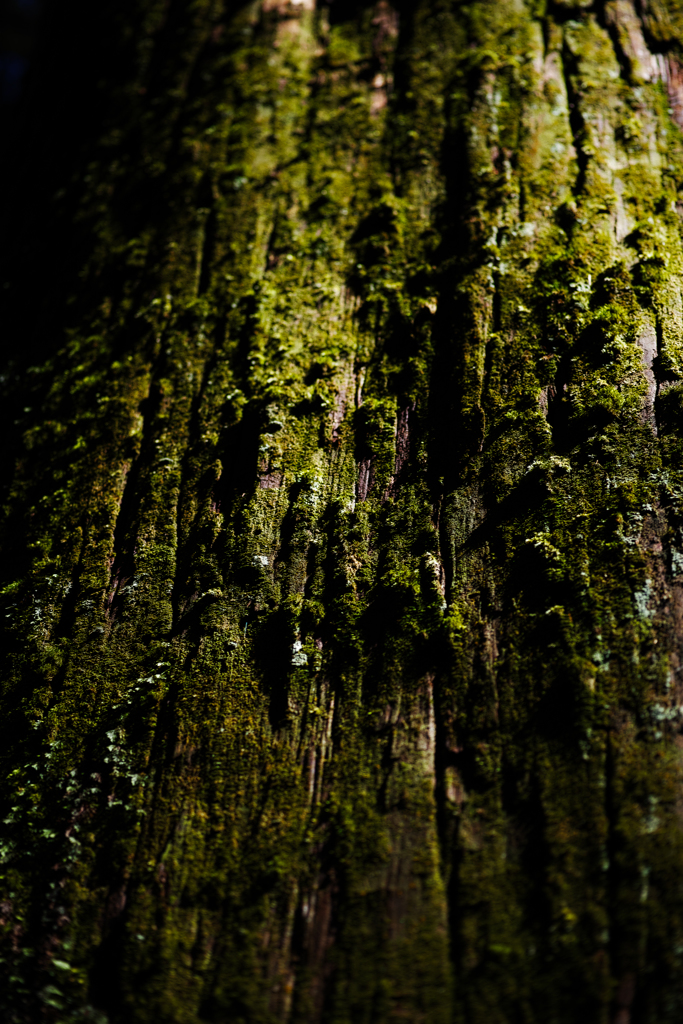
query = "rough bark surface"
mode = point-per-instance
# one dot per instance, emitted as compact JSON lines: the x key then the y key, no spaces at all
{"x":342,"y":543}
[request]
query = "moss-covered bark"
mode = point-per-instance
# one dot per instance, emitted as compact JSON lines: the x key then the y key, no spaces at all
{"x":342,"y":572}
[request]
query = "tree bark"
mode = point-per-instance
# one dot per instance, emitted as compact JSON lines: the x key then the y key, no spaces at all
{"x":342,"y":543}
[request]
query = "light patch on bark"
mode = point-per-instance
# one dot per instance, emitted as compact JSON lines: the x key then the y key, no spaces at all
{"x":426,"y":742}
{"x":288,"y":6}
{"x":270,"y":481}
{"x":552,"y":74}
{"x":386,"y":22}
{"x":454,"y":789}
{"x":364,"y":479}
{"x":648,"y":346}
{"x":347,"y":391}
{"x":623,"y":224}
{"x":670,"y":72}
{"x":378,"y":100}
{"x":291,"y":13}
{"x":621,"y":15}
{"x":434,"y":565}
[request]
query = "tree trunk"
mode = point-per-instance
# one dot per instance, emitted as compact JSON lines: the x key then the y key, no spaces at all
{"x":342,"y":572}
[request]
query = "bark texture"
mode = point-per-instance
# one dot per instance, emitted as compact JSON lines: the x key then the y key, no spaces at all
{"x":342,"y":543}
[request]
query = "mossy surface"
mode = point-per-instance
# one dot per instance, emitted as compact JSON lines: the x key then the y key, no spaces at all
{"x":342,"y":575}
